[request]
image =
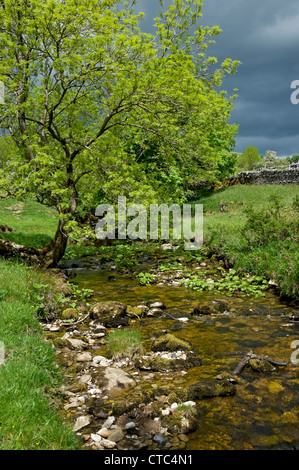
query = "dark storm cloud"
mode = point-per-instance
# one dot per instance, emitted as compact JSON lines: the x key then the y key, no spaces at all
{"x":264,"y":36}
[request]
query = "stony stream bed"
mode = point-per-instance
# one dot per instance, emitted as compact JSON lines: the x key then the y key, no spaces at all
{"x":182,"y":396}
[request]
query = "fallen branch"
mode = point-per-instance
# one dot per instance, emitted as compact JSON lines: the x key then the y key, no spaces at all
{"x":250,"y":355}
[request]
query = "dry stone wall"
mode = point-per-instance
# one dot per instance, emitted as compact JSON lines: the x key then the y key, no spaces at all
{"x":288,"y":175}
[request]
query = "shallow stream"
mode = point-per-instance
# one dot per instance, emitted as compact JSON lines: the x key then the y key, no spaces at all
{"x":264,"y":413}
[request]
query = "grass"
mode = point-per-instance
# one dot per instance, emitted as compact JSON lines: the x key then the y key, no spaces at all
{"x":28,"y":418}
{"x":124,"y":344}
{"x":275,"y":255}
{"x":33,"y":224}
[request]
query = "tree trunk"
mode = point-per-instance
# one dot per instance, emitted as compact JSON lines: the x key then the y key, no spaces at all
{"x":52,"y":253}
{"x":47,"y":257}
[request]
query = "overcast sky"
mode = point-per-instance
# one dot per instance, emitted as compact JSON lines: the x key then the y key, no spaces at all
{"x":264,"y":36}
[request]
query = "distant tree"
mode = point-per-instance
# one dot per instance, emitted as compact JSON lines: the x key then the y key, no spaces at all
{"x":293,"y":159}
{"x":270,"y":160}
{"x":249,"y":159}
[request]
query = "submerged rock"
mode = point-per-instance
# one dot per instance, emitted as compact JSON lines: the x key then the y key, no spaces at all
{"x":211,"y":388}
{"x":159,"y":440}
{"x":211,"y":309}
{"x":170,"y":342}
{"x":260,"y":365}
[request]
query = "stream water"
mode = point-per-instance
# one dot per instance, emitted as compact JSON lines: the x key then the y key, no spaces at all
{"x":264,"y":413}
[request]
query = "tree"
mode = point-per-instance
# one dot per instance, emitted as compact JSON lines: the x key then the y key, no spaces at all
{"x":293,"y":159}
{"x":249,"y":158}
{"x":79,"y":76}
{"x":270,"y":159}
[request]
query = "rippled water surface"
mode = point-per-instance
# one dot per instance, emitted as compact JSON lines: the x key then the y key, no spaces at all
{"x":264,"y":413}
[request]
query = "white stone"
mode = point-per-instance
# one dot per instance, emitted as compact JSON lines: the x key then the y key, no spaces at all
{"x":108,"y":423}
{"x":108,"y":444}
{"x":96,"y":437}
{"x":190,"y":403}
{"x":84,"y":357}
{"x":81,"y":422}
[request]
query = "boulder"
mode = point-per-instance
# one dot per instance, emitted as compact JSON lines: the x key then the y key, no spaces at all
{"x":111,"y":314}
{"x":211,"y":388}
{"x":170,"y":342}
{"x":211,"y":309}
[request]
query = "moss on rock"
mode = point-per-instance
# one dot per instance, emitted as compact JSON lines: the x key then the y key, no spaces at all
{"x":171,"y":343}
{"x":211,"y":388}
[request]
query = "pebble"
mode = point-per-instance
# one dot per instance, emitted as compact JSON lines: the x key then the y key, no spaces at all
{"x":108,"y":444}
{"x":85,"y":378}
{"x":130,"y":425}
{"x":190,"y":403}
{"x":159,"y":440}
{"x":116,"y":435}
{"x":81,"y":422}
{"x":157,"y":305}
{"x":104,"y":432}
{"x":108,"y":423}
{"x":96,"y":437}
{"x":84,"y":357}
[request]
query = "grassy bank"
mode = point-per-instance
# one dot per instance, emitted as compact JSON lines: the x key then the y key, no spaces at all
{"x":29,"y":418}
{"x":257,"y":230}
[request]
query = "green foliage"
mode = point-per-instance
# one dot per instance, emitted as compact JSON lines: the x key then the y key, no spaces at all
{"x":50,"y":303}
{"x":175,"y":266}
{"x":229,"y":284}
{"x":258,"y":235}
{"x":96,"y":105}
{"x":249,"y":159}
{"x":146,"y":278}
{"x":293,"y":159}
{"x":266,"y":225}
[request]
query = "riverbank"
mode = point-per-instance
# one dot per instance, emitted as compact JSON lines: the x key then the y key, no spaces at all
{"x":256,"y":229}
{"x":29,"y":377}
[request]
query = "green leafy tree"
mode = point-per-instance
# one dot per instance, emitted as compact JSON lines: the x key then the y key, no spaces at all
{"x":79,"y":76}
{"x":249,"y":159}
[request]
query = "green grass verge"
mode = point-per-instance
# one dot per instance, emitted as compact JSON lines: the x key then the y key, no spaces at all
{"x":273,"y":250}
{"x":33,"y":224}
{"x":28,"y":417}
